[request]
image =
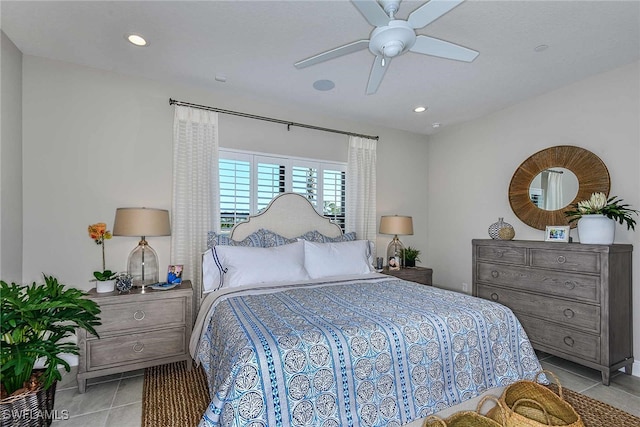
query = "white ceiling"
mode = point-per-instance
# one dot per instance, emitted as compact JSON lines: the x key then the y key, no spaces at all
{"x":255,"y":44}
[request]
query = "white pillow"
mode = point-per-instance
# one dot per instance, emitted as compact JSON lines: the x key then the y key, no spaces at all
{"x":231,"y":266}
{"x":336,"y":259}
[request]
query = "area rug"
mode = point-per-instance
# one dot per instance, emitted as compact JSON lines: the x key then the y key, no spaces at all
{"x":175,"y":397}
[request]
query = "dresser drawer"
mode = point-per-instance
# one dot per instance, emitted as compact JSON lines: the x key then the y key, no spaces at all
{"x":583,"y":262}
{"x":120,"y":350}
{"x":558,"y":283}
{"x":569,"y":313}
{"x":143,"y":314}
{"x":563,"y":339}
{"x":511,"y":255}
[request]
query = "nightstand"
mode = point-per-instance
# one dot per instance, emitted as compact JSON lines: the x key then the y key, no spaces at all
{"x":414,"y":274}
{"x":138,"y":330}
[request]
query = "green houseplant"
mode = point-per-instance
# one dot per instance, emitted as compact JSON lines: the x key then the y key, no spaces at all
{"x":410,"y":256}
{"x":35,"y":322}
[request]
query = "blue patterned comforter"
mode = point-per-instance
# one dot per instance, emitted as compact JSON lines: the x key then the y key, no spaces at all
{"x":374,"y":352}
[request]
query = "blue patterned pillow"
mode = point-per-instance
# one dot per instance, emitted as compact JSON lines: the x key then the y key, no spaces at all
{"x":347,"y":237}
{"x":269,"y":239}
{"x":214,"y":239}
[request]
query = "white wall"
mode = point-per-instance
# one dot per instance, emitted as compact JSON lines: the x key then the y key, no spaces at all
{"x":95,"y":140}
{"x":470,"y":167}
{"x":10,"y":162}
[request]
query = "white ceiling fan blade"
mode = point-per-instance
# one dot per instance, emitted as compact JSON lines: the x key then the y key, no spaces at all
{"x":333,"y":53}
{"x":440,"y":48}
{"x":377,"y":73}
{"x":429,"y":12}
{"x":372,"y":12}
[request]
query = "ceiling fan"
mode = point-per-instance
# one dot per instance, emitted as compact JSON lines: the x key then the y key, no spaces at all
{"x":393,"y":37}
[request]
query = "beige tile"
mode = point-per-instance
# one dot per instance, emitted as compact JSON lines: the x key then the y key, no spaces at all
{"x":129,"y":391}
{"x":125,"y":416}
{"x":104,"y":379}
{"x":97,"y":398}
{"x":568,"y":379}
{"x":575,"y":368}
{"x":614,"y":397}
{"x":627,"y":383}
{"x":96,"y":419}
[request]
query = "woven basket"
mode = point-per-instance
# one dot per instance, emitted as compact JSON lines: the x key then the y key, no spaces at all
{"x":530,"y":404}
{"x":28,"y":409}
{"x":467,"y":418}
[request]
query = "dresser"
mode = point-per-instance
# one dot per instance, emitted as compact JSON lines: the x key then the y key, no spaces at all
{"x":414,"y":274}
{"x":573,"y":300}
{"x":138,"y":330}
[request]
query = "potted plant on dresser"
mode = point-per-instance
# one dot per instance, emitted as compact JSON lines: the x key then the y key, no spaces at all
{"x":597,"y":218}
{"x":36,"y":323}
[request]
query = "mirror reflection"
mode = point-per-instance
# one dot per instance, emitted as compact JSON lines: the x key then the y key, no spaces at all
{"x":553,"y":188}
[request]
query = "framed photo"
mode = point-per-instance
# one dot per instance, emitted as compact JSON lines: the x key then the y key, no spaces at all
{"x":174,"y":274}
{"x":557,"y":233}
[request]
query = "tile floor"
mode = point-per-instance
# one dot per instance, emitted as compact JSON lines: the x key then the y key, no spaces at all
{"x":116,"y":401}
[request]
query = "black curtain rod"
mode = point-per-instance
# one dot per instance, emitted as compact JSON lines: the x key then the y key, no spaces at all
{"x":269,"y":119}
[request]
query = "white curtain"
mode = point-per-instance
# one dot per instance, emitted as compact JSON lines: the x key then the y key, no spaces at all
{"x":553,"y":199}
{"x":361,"y":188}
{"x":195,"y":189}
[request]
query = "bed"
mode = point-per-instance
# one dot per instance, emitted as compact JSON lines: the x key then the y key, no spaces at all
{"x":320,"y":339}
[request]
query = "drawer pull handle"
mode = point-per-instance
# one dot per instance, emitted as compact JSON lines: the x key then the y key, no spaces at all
{"x":138,"y":315}
{"x":569,"y":313}
{"x":495,"y":274}
{"x":570,"y":284}
{"x":494,"y":296}
{"x":499,"y":253}
{"x":562,"y":259}
{"x":569,"y":341}
{"x":138,"y":347}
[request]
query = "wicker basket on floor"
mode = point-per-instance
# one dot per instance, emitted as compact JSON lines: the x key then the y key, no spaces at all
{"x":28,"y":409}
{"x":467,"y":418}
{"x":530,"y":404}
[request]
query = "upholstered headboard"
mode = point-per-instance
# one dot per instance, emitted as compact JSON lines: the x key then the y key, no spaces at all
{"x":290,"y":215}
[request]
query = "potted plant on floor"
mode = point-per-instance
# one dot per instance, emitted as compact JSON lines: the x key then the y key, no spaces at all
{"x":36,"y":322}
{"x":410,"y":256}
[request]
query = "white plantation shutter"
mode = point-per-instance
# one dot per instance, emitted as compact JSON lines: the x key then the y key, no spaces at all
{"x":334,"y":195}
{"x":195,"y":188}
{"x":361,"y":188}
{"x":235,"y":192}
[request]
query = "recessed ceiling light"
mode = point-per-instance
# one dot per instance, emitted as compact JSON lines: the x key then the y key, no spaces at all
{"x":323,"y":85}
{"x":420,"y":109}
{"x":136,"y":40}
{"x":436,"y":125}
{"x":541,"y":48}
{"x":220,"y":77}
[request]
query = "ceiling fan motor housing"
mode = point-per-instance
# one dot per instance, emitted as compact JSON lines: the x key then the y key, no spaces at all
{"x":393,"y":39}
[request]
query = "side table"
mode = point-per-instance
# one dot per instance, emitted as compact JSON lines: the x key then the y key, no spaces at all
{"x":139,"y":329}
{"x":414,"y":274}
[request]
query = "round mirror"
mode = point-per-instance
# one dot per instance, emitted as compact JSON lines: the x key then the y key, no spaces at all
{"x":535,"y":174}
{"x":553,"y":189}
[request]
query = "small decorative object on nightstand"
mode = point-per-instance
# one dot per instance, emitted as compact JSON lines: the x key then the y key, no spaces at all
{"x":139,"y":329}
{"x":414,"y":274}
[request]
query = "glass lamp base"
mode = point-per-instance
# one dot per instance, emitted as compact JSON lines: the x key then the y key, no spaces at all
{"x":143,"y":265}
{"x":394,"y":253}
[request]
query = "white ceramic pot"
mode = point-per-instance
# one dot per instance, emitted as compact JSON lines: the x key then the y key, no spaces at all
{"x":596,"y":229}
{"x":105,"y":286}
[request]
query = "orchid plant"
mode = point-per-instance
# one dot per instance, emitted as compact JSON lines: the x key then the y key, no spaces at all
{"x":598,"y":204}
{"x":99,"y":233}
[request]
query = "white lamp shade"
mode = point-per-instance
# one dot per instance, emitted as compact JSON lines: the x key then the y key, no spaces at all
{"x":141,"y":222}
{"x":396,"y":224}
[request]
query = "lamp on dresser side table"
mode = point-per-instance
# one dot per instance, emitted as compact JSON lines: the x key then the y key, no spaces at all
{"x":413,"y":274}
{"x":138,"y":330}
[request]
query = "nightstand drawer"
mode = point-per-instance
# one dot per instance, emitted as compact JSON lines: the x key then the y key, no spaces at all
{"x":567,"y":312}
{"x":120,"y":350}
{"x":142,"y":314}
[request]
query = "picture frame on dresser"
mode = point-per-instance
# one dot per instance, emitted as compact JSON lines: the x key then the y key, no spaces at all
{"x":557,"y":233}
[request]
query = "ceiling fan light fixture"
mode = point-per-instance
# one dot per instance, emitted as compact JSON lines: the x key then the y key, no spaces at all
{"x":392,"y":48}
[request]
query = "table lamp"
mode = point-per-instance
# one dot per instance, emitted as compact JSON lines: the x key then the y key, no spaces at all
{"x":396,"y":225}
{"x":142,"y":264}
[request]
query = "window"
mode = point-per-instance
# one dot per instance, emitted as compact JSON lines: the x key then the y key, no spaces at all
{"x":248,"y":182}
